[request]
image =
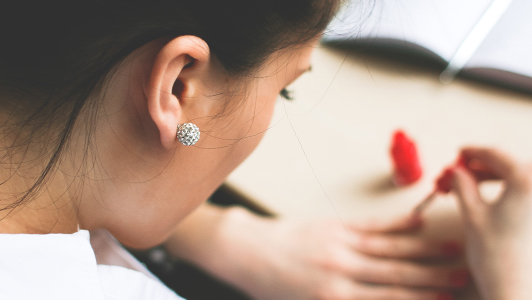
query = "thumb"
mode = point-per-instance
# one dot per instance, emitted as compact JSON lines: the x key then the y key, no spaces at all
{"x":466,"y":188}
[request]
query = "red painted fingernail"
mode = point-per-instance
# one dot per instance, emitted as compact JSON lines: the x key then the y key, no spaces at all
{"x":445,"y":180}
{"x":445,"y":296}
{"x":460,"y":278}
{"x":451,"y":249}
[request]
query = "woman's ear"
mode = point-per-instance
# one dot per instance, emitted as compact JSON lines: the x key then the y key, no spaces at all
{"x":172,"y":79}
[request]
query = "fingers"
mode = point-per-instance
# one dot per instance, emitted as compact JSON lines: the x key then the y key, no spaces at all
{"x":406,"y":247}
{"x":466,"y":188}
{"x":371,"y":292}
{"x":410,"y":222}
{"x":490,"y":163}
{"x":410,"y":274}
{"x":347,"y":289}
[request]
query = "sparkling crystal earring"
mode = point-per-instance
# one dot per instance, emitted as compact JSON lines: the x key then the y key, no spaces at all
{"x":188,"y":134}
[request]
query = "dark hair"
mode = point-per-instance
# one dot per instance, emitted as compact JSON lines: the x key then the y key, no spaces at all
{"x":54,"y":55}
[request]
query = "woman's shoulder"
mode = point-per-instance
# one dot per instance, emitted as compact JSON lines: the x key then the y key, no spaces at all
{"x":63,"y":266}
{"x":122,"y":283}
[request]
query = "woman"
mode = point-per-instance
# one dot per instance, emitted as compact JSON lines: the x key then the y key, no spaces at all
{"x":92,"y":96}
{"x":100,"y":102}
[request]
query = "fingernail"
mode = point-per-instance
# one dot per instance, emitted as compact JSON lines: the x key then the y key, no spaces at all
{"x":460,"y":278}
{"x":451,"y":249}
{"x":445,"y":296}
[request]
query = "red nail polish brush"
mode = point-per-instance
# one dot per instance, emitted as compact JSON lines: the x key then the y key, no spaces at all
{"x":442,"y":185}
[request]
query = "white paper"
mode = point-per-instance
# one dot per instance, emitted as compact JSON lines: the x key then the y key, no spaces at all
{"x":509,"y":45}
{"x":439,"y":26}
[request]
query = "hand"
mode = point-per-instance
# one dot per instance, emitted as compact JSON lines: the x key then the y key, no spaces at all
{"x":499,"y":234}
{"x":296,"y":260}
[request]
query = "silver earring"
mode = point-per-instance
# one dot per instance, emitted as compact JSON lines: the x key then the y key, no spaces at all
{"x":188,"y":134}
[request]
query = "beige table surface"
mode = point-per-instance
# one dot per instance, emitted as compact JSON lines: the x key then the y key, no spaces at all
{"x":326,"y":154}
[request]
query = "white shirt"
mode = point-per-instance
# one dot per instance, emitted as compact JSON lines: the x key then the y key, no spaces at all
{"x":63,"y":266}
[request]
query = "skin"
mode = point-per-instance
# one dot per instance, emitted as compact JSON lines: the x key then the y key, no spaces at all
{"x":318,"y":259}
{"x":498,"y":234}
{"x":142,"y":181}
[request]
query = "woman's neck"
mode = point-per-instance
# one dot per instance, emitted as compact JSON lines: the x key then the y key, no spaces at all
{"x":50,"y":210}
{"x":37,"y":221}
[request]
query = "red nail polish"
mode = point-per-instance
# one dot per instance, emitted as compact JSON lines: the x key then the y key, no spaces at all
{"x":445,"y":296}
{"x":407,"y":168}
{"x":451,"y":249}
{"x":460,"y":278}
{"x":444,"y":183}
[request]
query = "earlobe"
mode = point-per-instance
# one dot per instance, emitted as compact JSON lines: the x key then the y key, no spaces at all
{"x":173,"y":68}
